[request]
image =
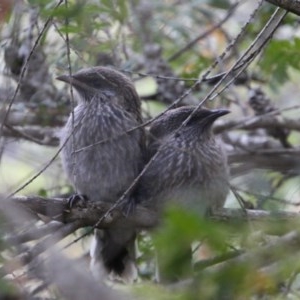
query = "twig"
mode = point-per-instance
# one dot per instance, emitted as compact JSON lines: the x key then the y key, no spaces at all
{"x":203,"y":35}
{"x":290,"y":5}
{"x":227,"y":215}
{"x":251,"y":123}
{"x":202,"y":264}
{"x":42,"y":246}
{"x":24,"y":68}
{"x":39,"y":135}
{"x":287,"y":244}
{"x":34,"y":233}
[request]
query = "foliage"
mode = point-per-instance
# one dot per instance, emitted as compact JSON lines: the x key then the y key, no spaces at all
{"x":272,"y":63}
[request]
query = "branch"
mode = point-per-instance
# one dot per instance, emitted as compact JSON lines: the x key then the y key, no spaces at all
{"x":287,"y":244}
{"x":292,"y":6}
{"x":90,"y":213}
{"x":87,"y":214}
{"x":258,"y":122}
{"x":202,"y":35}
{"x":48,"y":242}
{"x":54,"y":117}
{"x":259,"y":258}
{"x":284,"y":161}
{"x":45,"y":136}
{"x":34,"y":233}
{"x":32,"y":254}
{"x":230,"y":215}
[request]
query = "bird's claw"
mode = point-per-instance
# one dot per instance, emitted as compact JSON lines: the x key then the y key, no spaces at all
{"x":77,"y":200}
{"x":128,"y":206}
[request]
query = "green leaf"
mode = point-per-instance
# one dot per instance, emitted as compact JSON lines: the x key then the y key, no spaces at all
{"x":42,"y":192}
{"x":279,"y":56}
{"x":70,"y":11}
{"x":117,"y":9}
{"x":225,"y":4}
{"x":173,"y":241}
{"x":69,"y":28}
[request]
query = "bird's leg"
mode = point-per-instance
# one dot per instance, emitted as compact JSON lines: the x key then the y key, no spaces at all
{"x":128,"y":205}
{"x":77,"y":200}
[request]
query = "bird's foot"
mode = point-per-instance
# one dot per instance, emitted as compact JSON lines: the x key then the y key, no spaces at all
{"x":78,"y":200}
{"x":128,"y":206}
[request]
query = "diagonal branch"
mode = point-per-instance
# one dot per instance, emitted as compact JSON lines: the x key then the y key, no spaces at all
{"x":292,"y":6}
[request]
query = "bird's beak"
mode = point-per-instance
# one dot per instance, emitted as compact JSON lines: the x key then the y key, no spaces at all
{"x":214,"y":115}
{"x":74,"y":81}
{"x":219,"y":113}
{"x":65,"y":78}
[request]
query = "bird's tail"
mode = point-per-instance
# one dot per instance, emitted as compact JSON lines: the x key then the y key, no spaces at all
{"x":113,"y":253}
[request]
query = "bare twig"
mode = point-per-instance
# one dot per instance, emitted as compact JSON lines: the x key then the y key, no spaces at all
{"x":34,"y":233}
{"x":203,"y":35}
{"x":45,"y":136}
{"x":290,"y":5}
{"x":287,"y":244}
{"x":251,"y":123}
{"x":228,"y":215}
{"x":42,"y":246}
{"x":24,"y":68}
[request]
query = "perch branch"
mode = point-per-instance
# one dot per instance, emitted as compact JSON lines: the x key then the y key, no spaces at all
{"x":89,"y":213}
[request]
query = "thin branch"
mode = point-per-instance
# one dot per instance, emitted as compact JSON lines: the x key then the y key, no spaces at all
{"x":238,"y":215}
{"x":265,"y":258}
{"x":34,"y":233}
{"x":292,"y":6}
{"x":287,"y":244}
{"x":21,"y":118}
{"x":45,"y":136}
{"x":49,"y":242}
{"x":44,"y":245}
{"x":245,"y":162}
{"x":203,"y":264}
{"x":203,"y":35}
{"x":251,"y":123}
{"x":24,"y":68}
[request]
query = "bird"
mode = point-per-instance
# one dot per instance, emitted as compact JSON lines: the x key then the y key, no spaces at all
{"x":186,"y":164}
{"x":101,"y":159}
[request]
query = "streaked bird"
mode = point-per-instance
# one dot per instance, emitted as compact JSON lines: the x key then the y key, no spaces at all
{"x":108,"y":106}
{"x":188,"y":166}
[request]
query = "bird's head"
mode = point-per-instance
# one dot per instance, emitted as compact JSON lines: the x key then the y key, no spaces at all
{"x":201,"y":120}
{"x":100,"y":80}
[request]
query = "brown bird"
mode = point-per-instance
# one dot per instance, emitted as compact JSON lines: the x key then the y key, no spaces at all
{"x":189,"y":161}
{"x":108,"y":106}
{"x":188,"y":165}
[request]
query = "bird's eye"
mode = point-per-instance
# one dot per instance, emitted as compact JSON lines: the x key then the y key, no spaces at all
{"x":177,"y":135}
